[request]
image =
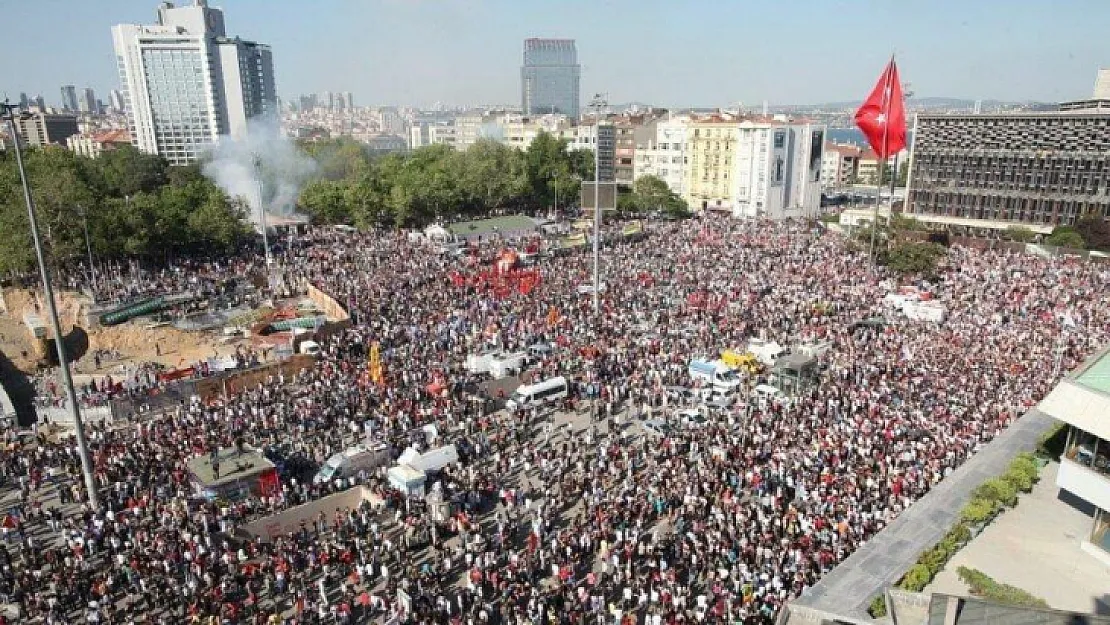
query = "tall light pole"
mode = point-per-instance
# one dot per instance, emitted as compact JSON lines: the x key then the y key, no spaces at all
{"x":555,"y":175}
{"x":48,"y":292}
{"x":598,"y":103}
{"x":88,"y":246}
{"x":262,"y":212}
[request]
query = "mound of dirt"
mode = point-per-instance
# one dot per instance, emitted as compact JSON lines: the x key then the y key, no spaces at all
{"x":132,"y":341}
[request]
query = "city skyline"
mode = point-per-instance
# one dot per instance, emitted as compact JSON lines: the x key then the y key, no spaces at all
{"x":418,"y":53}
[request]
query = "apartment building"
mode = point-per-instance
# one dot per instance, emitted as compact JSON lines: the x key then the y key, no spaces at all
{"x":754,"y":167}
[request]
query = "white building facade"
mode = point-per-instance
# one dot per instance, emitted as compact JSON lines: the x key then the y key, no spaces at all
{"x":764,"y":168}
{"x":664,"y":156}
{"x":1081,"y":401}
{"x":185,"y":83}
{"x":778,"y":169}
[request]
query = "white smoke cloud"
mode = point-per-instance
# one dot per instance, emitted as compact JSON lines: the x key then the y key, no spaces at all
{"x":236,"y":165}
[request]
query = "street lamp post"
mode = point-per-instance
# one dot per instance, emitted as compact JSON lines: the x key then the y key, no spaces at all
{"x":88,"y":246}
{"x":48,"y":292}
{"x":598,"y":103}
{"x":262,"y":212}
{"x":555,"y":175}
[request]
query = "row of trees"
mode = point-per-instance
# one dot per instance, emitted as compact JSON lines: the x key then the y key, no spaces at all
{"x":134,"y":204}
{"x":1090,"y":232}
{"x":439,"y":183}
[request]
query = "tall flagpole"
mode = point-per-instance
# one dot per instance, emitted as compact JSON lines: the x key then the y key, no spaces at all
{"x":888,"y":93}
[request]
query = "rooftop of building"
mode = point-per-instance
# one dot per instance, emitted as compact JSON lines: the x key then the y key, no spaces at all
{"x":1095,"y":374}
{"x":112,"y":136}
{"x":845,"y":149}
{"x":1063,"y":113}
{"x":233,"y":466}
{"x":1082,"y":398}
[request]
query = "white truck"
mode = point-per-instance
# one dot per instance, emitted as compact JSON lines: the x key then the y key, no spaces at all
{"x":715,"y":373}
{"x":349,"y":462}
{"x":768,"y":352}
{"x":506,"y":364}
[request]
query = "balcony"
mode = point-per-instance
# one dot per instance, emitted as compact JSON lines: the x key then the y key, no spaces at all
{"x":1085,"y":468}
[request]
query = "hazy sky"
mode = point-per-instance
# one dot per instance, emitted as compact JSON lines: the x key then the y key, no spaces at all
{"x":667,"y":52}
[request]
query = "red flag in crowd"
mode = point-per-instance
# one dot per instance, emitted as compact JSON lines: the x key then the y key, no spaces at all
{"x":882,"y":116}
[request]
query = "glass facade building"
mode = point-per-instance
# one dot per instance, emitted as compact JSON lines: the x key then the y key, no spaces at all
{"x":550,"y":77}
{"x":185,"y":84}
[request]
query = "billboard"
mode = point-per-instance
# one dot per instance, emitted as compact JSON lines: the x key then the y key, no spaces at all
{"x":607,"y":196}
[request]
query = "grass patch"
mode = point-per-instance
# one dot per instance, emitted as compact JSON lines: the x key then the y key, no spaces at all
{"x":982,"y":585}
{"x":877,"y":609}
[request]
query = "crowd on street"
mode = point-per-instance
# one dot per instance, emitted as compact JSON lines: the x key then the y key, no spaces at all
{"x":719,"y":521}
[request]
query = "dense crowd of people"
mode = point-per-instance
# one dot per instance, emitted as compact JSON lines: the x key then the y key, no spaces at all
{"x":720,"y":521}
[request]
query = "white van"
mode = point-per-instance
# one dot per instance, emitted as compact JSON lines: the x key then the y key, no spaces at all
{"x":435,"y":460}
{"x":479,"y":362}
{"x":542,"y":393}
{"x":350,"y":461}
{"x":310,"y":348}
{"x":715,"y":372}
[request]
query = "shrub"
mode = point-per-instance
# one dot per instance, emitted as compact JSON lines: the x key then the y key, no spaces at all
{"x":1018,"y":479}
{"x":917,"y":578}
{"x":960,"y":533}
{"x":996,"y":489}
{"x":877,"y":609}
{"x":935,"y":558}
{"x":978,"y":511}
{"x":982,"y":585}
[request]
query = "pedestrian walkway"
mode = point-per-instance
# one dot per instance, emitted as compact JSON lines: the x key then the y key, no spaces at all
{"x":1036,"y":546}
{"x":850,"y":587}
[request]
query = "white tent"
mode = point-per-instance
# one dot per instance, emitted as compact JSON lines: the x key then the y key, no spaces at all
{"x":409,"y":456}
{"x":437,"y":234}
{"x":407,"y":479}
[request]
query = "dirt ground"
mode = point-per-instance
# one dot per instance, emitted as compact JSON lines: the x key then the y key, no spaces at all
{"x":134,"y":342}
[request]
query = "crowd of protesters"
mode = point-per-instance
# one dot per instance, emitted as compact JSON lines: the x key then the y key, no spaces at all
{"x":720,"y":521}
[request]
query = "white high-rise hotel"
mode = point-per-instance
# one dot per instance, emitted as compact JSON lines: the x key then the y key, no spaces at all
{"x":185,"y":83}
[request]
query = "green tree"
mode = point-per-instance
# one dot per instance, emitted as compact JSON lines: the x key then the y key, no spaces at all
{"x":327,"y":201}
{"x":1095,"y":230}
{"x":1067,"y":237}
{"x":62,"y":184}
{"x":337,"y":159}
{"x":128,"y":171}
{"x":1020,"y":234}
{"x":913,"y":257}
{"x":217,"y":223}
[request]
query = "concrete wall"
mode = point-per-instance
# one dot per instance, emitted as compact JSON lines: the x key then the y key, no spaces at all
{"x":330,"y":307}
{"x":236,"y":381}
{"x":290,"y":520}
{"x":1084,"y":483}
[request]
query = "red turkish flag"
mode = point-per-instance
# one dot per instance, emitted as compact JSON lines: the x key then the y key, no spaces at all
{"x":882,"y":116}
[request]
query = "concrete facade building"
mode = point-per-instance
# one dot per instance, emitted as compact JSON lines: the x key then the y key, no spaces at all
{"x":1081,"y":401}
{"x":69,"y":98}
{"x":1047,"y":168}
{"x":87,"y":102}
{"x":754,"y":167}
{"x":93,"y":145}
{"x":115,"y":101}
{"x":624,"y":152}
{"x":664,"y":155}
{"x":550,"y":77}
{"x":1041,"y":168}
{"x":840,"y":165}
{"x":40,"y":129}
{"x":185,"y":83}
